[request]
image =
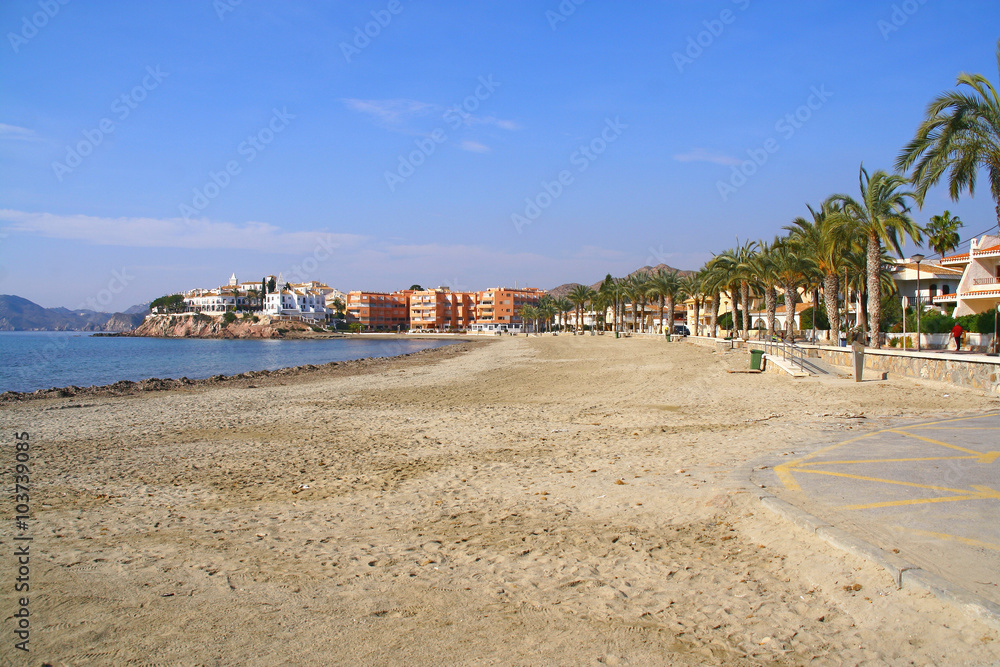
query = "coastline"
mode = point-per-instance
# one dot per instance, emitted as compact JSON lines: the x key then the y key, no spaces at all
{"x":248,"y":379}
{"x":578,"y":493}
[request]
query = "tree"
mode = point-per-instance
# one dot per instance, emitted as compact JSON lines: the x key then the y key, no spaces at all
{"x":338,"y":308}
{"x":693,"y":286}
{"x":578,"y":296}
{"x":271,"y":285}
{"x":529,"y":313}
{"x":171,"y":303}
{"x":881,"y":216}
{"x":416,"y":288}
{"x":609,"y":294}
{"x":942,"y":232}
{"x":823,"y":239}
{"x":665,"y":286}
{"x":790,"y":269}
{"x":764,"y":270}
{"x":959,"y":136}
{"x":563,"y":305}
{"x":725,"y":265}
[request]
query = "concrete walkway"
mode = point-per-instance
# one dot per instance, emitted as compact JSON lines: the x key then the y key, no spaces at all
{"x":922,"y":499}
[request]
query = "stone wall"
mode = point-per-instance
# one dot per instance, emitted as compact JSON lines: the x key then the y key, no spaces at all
{"x":978,"y":372}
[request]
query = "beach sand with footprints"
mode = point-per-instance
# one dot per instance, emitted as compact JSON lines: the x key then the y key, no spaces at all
{"x":550,"y":500}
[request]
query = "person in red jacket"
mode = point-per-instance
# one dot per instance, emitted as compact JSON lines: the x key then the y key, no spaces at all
{"x":956,"y":333}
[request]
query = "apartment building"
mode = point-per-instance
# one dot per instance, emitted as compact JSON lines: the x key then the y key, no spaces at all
{"x":379,"y":311}
{"x":442,"y":310}
{"x":979,"y":288}
{"x":499,"y":309}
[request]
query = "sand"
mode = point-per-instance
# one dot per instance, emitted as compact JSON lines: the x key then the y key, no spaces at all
{"x":555,"y":500}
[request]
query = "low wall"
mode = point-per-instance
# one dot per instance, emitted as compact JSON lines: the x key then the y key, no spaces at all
{"x":964,"y":370}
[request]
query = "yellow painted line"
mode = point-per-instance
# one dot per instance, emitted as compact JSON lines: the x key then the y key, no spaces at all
{"x":986,"y":491}
{"x":929,"y":458}
{"x":936,"y":442}
{"x":955,"y":419}
{"x":912,"y":501}
{"x":884,"y":481}
{"x":955,"y":538}
{"x":989,"y":457}
{"x":783,"y":471}
{"x":958,"y":428}
{"x":785,"y":476}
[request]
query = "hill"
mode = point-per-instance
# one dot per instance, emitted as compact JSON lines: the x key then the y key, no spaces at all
{"x":20,"y":314}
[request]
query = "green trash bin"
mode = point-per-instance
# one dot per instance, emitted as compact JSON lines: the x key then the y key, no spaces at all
{"x":755,"y":358}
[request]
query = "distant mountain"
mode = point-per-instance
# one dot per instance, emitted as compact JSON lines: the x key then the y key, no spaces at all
{"x":139,"y":309}
{"x":566,"y":288}
{"x":19,"y":314}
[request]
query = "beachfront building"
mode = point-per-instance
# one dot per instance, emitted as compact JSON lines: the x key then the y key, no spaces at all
{"x":296,"y":303}
{"x":935,"y":281}
{"x":442,"y":310}
{"x":499,"y":309}
{"x":379,"y":311}
{"x":306,"y":301}
{"x":979,"y":288}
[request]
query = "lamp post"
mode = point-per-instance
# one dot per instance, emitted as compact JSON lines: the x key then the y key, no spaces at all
{"x":918,"y":258}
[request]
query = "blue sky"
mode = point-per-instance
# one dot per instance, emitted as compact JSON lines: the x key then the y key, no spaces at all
{"x":152,"y":147}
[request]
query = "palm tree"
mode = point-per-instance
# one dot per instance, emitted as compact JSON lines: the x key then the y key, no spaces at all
{"x":547,"y":309}
{"x":729,"y":279}
{"x":580,"y":295}
{"x":609,"y":292}
{"x":712,"y":283}
{"x":563,"y":305}
{"x":764,"y":271}
{"x":881,"y":216}
{"x":823,"y":240}
{"x":790,"y":269}
{"x":960,"y":135}
{"x":942,"y":232}
{"x":665,"y":286}
{"x":600,"y":302}
{"x":693,"y":285}
{"x":640,"y":297}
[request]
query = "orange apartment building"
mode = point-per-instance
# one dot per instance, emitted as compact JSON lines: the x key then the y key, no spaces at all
{"x":499,"y":309}
{"x":378,"y":311}
{"x":441,"y":309}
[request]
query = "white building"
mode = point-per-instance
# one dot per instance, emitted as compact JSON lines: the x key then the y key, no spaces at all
{"x":935,"y":281}
{"x":979,"y":289}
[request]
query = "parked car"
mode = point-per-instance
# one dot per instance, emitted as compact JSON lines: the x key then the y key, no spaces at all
{"x":681,"y":330}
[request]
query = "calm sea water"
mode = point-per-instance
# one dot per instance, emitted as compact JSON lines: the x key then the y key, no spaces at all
{"x":32,"y":360}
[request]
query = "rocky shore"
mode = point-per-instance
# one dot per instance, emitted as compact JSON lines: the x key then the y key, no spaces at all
{"x":197,"y":325}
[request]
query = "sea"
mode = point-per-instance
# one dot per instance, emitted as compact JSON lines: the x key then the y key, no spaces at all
{"x":31,"y":360}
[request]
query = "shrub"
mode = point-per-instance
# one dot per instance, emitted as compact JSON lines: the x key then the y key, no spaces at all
{"x":255,"y":319}
{"x":229,"y":317}
{"x":978,"y":323}
{"x":806,"y":319}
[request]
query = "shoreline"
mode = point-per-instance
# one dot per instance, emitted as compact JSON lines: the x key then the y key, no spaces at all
{"x":305,"y":372}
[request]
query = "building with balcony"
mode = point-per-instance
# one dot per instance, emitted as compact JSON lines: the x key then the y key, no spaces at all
{"x":499,"y":309}
{"x":379,"y":311}
{"x":442,"y":310}
{"x":979,"y":288}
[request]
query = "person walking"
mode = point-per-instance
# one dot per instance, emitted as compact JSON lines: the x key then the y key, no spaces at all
{"x":956,"y":333}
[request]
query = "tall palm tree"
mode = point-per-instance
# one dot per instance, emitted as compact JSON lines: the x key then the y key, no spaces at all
{"x":881,"y":216}
{"x":564,"y":305}
{"x":547,"y":309}
{"x":600,"y":302}
{"x":942,"y":232}
{"x":609,"y":292}
{"x":729,"y":278}
{"x":959,"y":136}
{"x":640,"y":291}
{"x":744,"y":269}
{"x":529,"y":313}
{"x":579,"y":296}
{"x":823,"y":240}
{"x":764,"y":271}
{"x":664,"y":286}
{"x":714,"y":280}
{"x":694,"y":286}
{"x":790,"y":269}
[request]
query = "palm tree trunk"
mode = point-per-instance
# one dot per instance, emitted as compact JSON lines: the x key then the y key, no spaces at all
{"x":670,"y":315}
{"x":771,"y":303}
{"x":791,"y":296}
{"x":697,"y":312}
{"x":831,"y":288}
{"x":745,"y":305}
{"x":874,"y":291}
{"x":715,"y":314}
{"x":661,"y":316}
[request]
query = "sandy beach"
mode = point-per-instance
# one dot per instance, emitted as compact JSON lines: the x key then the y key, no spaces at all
{"x":552,"y":500}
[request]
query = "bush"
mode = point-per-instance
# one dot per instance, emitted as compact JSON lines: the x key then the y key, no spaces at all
{"x":978,"y":323}
{"x":806,"y":319}
{"x":255,"y":319}
{"x":229,"y":317}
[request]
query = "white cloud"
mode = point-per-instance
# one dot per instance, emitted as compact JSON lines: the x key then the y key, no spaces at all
{"x":705,"y":155}
{"x":172,"y":233}
{"x":474,"y":147}
{"x":391,"y":113}
{"x":17,"y":133}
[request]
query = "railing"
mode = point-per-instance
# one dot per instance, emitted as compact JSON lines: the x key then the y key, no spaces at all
{"x":791,"y":353}
{"x":985,"y":281}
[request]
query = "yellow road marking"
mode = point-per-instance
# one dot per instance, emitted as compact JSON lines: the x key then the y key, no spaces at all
{"x":783,"y":471}
{"x":958,"y":428}
{"x":989,"y":457}
{"x":955,"y":538}
{"x":936,"y":442}
{"x":914,"y":501}
{"x":929,"y":458}
{"x":884,"y":481}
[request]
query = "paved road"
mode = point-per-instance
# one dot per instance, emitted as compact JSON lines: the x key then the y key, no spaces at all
{"x":929,"y":492}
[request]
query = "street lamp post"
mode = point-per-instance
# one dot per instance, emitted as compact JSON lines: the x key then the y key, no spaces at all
{"x":918,"y":258}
